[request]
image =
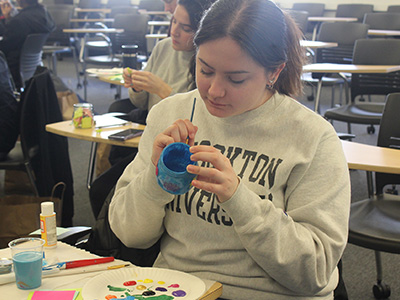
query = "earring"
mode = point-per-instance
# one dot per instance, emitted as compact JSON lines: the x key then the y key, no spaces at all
{"x":271,"y":84}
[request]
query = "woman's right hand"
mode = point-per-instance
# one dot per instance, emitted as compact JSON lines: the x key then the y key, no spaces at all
{"x":180,"y":131}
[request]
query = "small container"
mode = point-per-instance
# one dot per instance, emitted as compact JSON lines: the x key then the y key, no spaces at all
{"x":171,"y":169}
{"x":83,"y":115}
{"x":129,"y":56}
{"x":5,"y":265}
{"x":48,"y":225}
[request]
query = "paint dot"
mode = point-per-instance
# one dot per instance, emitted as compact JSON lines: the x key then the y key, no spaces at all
{"x":148,"y":280}
{"x":108,"y":297}
{"x":140,"y":280}
{"x":179,"y":293}
{"x":174,"y":285}
{"x":161,"y":289}
{"x":141,"y":287}
{"x":128,"y":283}
{"x":115,"y":289}
{"x":161,"y":282}
{"x":148,"y":293}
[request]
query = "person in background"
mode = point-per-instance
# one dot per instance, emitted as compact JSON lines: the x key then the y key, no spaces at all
{"x":16,"y":26}
{"x":267,"y":214}
{"x":167,"y":72}
{"x":170,"y":5}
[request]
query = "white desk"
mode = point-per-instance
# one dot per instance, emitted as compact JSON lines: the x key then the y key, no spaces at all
{"x":76,"y":278}
{"x":377,"y":32}
{"x":344,"y":68}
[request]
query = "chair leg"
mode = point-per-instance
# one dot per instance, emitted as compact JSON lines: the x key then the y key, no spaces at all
{"x":79,"y":85}
{"x":348,"y":127}
{"x":31,"y":176}
{"x":380,"y":289}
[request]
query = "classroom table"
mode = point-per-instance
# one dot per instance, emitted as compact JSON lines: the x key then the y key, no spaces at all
{"x":319,"y":20}
{"x":89,"y":20}
{"x":378,"y":32}
{"x":77,"y":278}
{"x":67,"y":129}
{"x":317,"y":44}
{"x":88,"y":10}
{"x":344,"y":68}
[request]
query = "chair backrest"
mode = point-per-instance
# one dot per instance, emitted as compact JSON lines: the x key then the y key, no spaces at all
{"x":313,"y":9}
{"x":384,"y":21}
{"x":343,"y":33}
{"x":113,"y":3}
{"x":376,"y":52}
{"x":151,"y":5}
{"x":61,"y":16}
{"x":394,"y":8}
{"x":300,"y":17}
{"x":389,"y":136}
{"x":135,"y":29}
{"x":354,"y":10}
{"x":89,"y":3}
{"x":116,"y":10}
{"x":31,"y":54}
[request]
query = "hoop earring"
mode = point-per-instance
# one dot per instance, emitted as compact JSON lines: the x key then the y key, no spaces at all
{"x":270,"y":86}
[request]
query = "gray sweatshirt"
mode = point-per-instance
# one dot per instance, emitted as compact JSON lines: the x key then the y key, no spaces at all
{"x":284,"y":230}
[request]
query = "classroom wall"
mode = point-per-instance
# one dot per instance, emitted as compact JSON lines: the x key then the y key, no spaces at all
{"x":379,"y":5}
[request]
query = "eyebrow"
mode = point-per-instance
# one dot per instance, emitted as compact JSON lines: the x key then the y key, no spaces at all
{"x":230,"y":72}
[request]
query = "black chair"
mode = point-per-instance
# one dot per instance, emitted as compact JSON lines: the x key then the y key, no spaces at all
{"x":375,"y":221}
{"x":354,"y":10}
{"x":300,"y":17}
{"x":31,"y":54}
{"x":151,"y":5}
{"x":59,"y":42}
{"x":115,"y":3}
{"x":393,"y":8}
{"x":116,"y":10}
{"x":369,"y":52}
{"x":383,"y":21}
{"x":345,"y":34}
{"x":313,"y":9}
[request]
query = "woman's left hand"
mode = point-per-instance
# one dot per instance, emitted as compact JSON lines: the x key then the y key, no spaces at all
{"x":151,"y":83}
{"x":220,"y":179}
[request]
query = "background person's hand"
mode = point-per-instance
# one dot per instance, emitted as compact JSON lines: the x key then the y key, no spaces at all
{"x":147,"y":81}
{"x":219,"y":179}
{"x":126,"y":74}
{"x":179,"y":131}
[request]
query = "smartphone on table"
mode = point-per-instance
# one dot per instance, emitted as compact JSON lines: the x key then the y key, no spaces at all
{"x":125,"y":134}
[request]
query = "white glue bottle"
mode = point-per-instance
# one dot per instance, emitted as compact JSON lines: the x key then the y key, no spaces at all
{"x":48,"y":225}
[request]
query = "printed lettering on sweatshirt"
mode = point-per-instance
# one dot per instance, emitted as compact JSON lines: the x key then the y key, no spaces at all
{"x":257,"y":168}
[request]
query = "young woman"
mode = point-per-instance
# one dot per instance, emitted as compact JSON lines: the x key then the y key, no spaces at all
{"x":167,"y":71}
{"x":267,"y":214}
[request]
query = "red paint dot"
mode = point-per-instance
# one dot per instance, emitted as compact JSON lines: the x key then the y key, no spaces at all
{"x":128,"y":283}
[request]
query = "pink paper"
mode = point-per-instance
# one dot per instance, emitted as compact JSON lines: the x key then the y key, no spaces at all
{"x":51,"y":295}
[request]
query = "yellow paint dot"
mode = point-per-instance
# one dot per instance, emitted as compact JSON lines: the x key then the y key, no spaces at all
{"x":141,"y":287}
{"x":161,"y":282}
{"x":140,"y":280}
{"x":148,"y":280}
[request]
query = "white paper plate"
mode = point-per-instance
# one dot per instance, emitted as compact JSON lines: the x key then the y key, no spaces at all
{"x":104,"y":72}
{"x":171,"y":280}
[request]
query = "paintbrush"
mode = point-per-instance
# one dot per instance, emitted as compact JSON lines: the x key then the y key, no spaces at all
{"x":191,"y":116}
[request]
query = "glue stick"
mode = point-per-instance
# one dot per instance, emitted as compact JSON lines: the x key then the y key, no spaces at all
{"x":48,"y":225}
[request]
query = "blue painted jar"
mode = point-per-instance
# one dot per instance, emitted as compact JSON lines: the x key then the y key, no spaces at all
{"x":171,"y":169}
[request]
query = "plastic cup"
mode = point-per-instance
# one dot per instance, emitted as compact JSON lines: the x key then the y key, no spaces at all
{"x":83,"y":115}
{"x":27,"y":256}
{"x":171,"y":169}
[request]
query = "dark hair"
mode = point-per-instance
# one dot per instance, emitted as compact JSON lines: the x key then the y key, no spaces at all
{"x":263,"y":31}
{"x":195,"y":10}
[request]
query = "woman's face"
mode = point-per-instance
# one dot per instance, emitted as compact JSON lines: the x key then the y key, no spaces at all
{"x":230,"y":81}
{"x":182,"y":32}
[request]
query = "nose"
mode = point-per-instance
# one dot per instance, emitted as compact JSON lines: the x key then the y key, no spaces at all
{"x":175,"y":29}
{"x":216,"y":88}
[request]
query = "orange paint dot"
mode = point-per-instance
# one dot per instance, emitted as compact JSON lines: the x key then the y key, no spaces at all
{"x":108,"y":297}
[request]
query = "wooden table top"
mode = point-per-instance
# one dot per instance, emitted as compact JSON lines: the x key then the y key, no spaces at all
{"x":66,"y":128}
{"x":349,"y":68}
{"x":371,"y":158}
{"x":156,"y":36}
{"x":101,"y":10}
{"x":317,"y":44}
{"x":384,"y":32}
{"x":105,"y":20}
{"x":93,"y":30}
{"x":331,"y":19}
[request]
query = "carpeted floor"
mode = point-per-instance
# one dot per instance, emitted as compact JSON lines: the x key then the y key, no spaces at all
{"x":358,"y":264}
